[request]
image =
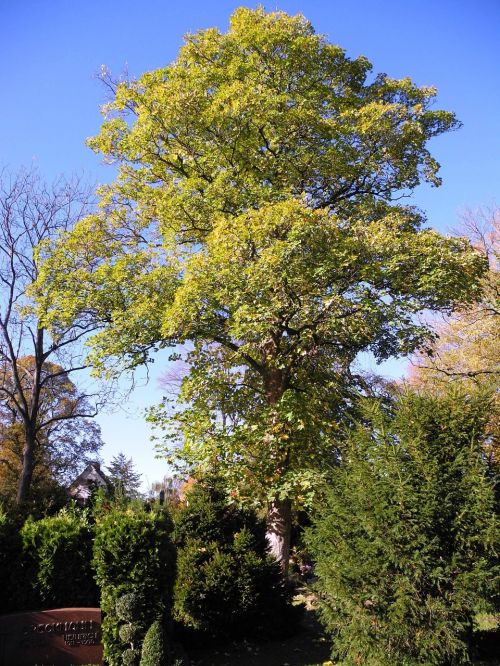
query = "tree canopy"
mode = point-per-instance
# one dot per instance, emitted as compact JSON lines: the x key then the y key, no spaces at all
{"x":256,"y":215}
{"x":468,"y":345}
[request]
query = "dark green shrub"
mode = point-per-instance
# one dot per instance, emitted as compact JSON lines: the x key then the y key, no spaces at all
{"x":226,"y":583}
{"x":208,"y":516}
{"x":12,"y":580}
{"x":404,"y":542}
{"x":130,"y":657}
{"x":155,"y":648}
{"x":133,"y":554}
{"x":57,"y":554}
{"x":130,"y":633}
{"x":131,"y":609}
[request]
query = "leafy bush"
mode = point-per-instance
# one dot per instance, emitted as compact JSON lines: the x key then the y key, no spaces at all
{"x":208,"y":516}
{"x":133,"y":554}
{"x":226,"y":583}
{"x":130,"y":657}
{"x":130,"y":633}
{"x":404,"y":542}
{"x":11,"y":579}
{"x":57,"y":553}
{"x":131,"y":609}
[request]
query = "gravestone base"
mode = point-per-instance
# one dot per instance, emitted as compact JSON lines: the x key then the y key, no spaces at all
{"x":59,"y":637}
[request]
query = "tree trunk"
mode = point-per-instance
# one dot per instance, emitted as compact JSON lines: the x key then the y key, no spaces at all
{"x":278,"y":532}
{"x":27,"y":470}
{"x":279,"y":512}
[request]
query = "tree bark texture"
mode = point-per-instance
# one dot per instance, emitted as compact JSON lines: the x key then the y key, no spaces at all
{"x":278,"y":532}
{"x":27,"y":469}
{"x":279,"y":512}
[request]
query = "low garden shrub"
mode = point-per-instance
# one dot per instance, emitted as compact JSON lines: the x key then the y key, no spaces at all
{"x":405,"y":539}
{"x":134,"y":561}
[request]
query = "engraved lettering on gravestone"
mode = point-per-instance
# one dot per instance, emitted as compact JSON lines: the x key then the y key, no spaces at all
{"x":88,"y":634}
{"x":59,"y":637}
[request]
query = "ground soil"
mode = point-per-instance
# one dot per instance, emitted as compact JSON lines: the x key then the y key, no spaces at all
{"x":307,"y":648}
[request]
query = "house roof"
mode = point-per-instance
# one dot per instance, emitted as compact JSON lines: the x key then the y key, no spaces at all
{"x":91,"y":475}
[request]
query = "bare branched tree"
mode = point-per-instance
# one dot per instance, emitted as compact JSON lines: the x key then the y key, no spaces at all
{"x":30,"y":213}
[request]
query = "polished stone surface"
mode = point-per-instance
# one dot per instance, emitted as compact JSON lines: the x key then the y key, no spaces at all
{"x":58,"y":637}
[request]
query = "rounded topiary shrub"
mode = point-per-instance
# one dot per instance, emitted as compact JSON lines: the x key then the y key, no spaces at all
{"x":130,"y":607}
{"x":57,"y":554}
{"x":130,"y":657}
{"x":131,"y":633}
{"x":155,"y":648}
{"x":134,"y":561}
{"x":226,"y":583}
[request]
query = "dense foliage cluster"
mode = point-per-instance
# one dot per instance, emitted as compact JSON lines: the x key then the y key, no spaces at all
{"x":155,"y":649}
{"x":57,"y":559}
{"x":225,"y":582}
{"x":406,"y":543}
{"x":13,"y":591}
{"x":227,"y":585}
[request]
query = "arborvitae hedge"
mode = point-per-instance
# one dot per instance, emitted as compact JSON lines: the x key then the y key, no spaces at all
{"x":405,"y":539}
{"x":57,"y":560}
{"x":133,"y":553}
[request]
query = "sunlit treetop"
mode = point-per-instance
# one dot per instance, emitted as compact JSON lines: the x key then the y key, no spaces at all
{"x":267,"y":114}
{"x":268,"y":110}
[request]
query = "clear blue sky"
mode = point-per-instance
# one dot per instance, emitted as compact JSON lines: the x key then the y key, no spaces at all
{"x":50,"y":53}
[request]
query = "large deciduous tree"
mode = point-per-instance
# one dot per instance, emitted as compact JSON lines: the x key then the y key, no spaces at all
{"x":256,"y":215}
{"x":35,"y":389}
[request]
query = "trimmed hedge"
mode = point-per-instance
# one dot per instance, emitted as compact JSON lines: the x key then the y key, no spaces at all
{"x":155,"y":649}
{"x":57,"y":557}
{"x":133,"y":553}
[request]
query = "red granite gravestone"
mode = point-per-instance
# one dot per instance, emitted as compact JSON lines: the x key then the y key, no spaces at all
{"x":59,"y":637}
